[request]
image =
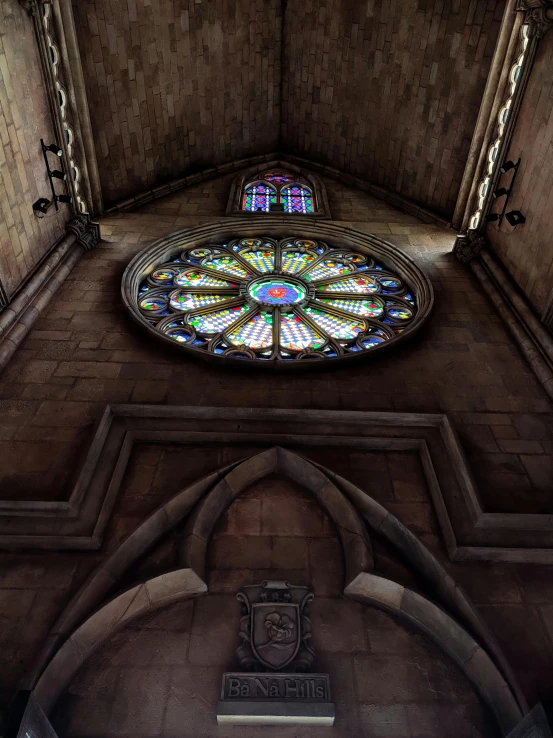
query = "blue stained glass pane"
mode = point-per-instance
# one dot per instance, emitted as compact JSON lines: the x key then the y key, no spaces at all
{"x":297,"y":199}
{"x":258,"y":196}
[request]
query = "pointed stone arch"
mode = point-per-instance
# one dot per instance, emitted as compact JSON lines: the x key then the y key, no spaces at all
{"x":78,"y":633}
{"x":351,"y":531}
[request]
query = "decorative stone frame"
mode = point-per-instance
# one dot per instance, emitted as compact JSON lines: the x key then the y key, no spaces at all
{"x":454,"y":624}
{"x":234,"y":206}
{"x":278,"y":227}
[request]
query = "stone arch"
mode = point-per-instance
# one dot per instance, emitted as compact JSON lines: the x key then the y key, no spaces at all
{"x":173,"y":586}
{"x":76,"y":634}
{"x":457,"y":643}
{"x":241,"y":180}
{"x":351,"y":531}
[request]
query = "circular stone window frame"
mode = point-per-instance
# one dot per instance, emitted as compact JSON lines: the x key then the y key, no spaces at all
{"x":335,"y":236}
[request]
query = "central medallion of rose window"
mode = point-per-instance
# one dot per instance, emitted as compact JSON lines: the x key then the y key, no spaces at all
{"x":276,"y":300}
{"x":272,"y":291}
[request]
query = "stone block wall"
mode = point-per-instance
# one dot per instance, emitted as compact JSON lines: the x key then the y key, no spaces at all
{"x":85,"y":352}
{"x":162,"y":675}
{"x":388,"y":91}
{"x":527,"y":251}
{"x":24,"y":120}
{"x":178,"y":87}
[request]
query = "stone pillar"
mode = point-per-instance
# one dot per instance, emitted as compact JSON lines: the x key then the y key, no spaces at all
{"x":16,"y":319}
{"x":64,"y":81}
{"x":525,"y":22}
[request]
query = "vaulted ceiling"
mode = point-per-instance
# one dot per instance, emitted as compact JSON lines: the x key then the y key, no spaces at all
{"x":388,"y":90}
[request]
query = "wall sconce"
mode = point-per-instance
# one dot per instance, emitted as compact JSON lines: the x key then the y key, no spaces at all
{"x":508,"y":165}
{"x":54,"y":148}
{"x":515,"y":217}
{"x":506,"y":192}
{"x":43,"y":205}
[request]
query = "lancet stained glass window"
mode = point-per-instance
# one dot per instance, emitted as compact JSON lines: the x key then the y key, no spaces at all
{"x":273,"y":300}
{"x":259,"y":196}
{"x":286,"y":188}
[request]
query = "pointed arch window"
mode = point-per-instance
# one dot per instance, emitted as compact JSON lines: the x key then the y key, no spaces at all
{"x":297,"y":199}
{"x":278,"y":187}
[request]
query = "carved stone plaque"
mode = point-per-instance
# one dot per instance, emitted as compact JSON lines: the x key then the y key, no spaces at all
{"x":275,"y":635}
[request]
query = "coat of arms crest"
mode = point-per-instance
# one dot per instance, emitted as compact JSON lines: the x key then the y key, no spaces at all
{"x":275,"y":629}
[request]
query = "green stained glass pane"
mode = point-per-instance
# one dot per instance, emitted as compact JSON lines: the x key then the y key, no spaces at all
{"x":255,"y":333}
{"x":217,"y":321}
{"x":227,"y":265}
{"x":370,"y":308}
{"x":328,"y":268}
{"x":334,"y":325}
{"x":296,"y":335}
{"x":192,"y":301}
{"x":294,"y":261}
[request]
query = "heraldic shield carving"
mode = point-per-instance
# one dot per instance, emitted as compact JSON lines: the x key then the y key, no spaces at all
{"x":276,"y":685}
{"x":275,"y":629}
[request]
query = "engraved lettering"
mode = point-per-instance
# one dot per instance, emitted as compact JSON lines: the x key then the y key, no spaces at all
{"x":273,"y":690}
{"x":262,"y":686}
{"x":290,"y":688}
{"x":234,"y":687}
{"x":319,"y":691}
{"x":245,"y":690}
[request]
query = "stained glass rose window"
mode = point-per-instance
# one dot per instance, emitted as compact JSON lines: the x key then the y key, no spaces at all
{"x":276,"y":301}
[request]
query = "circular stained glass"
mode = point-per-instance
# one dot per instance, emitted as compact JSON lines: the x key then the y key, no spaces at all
{"x":278,"y":301}
{"x":272,"y":291}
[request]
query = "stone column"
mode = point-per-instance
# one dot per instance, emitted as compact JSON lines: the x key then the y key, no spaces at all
{"x":64,"y":81}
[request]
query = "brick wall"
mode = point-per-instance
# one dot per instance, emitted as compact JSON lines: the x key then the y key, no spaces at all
{"x":527,"y":252}
{"x":173,"y":87}
{"x":388,"y":91}
{"x":24,"y":120}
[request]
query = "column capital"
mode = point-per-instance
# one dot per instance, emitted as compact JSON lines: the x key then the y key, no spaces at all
{"x":469,"y":245}
{"x":86,"y":230}
{"x":538,"y":14}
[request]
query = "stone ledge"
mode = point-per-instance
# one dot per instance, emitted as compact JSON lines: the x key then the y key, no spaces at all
{"x":19,"y":315}
{"x":532,"y":338}
{"x":469,"y":533}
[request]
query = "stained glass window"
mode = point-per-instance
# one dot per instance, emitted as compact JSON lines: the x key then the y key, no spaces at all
{"x":259,"y":196}
{"x":286,"y":188}
{"x":277,"y":300}
{"x":297,"y":199}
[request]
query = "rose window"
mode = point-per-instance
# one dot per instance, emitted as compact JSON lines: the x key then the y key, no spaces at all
{"x":276,"y":301}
